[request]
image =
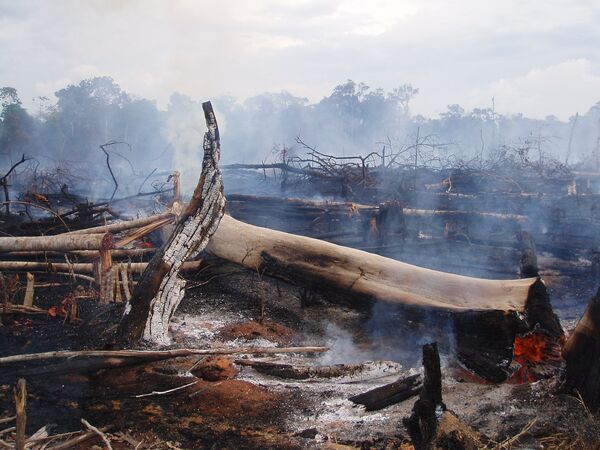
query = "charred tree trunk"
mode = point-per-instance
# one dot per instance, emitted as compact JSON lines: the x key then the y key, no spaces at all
{"x":529,"y":263}
{"x":160,"y":290}
{"x":582,"y":356}
{"x":422,"y":423}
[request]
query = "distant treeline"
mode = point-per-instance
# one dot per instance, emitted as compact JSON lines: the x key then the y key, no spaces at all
{"x":353,"y":119}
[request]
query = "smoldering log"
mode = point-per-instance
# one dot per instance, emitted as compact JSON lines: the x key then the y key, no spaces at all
{"x":302,"y":260}
{"x":506,"y":307}
{"x":582,"y":356}
{"x":389,"y":394}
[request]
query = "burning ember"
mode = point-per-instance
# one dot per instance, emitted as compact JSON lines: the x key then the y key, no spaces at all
{"x":534,"y":353}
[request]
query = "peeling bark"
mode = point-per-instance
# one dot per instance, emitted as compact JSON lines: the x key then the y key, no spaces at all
{"x":160,"y":290}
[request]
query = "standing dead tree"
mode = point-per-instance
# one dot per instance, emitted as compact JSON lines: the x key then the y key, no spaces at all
{"x":161,"y":288}
{"x":4,"y":182}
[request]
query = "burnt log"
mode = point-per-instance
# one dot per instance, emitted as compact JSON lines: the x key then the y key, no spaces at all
{"x":298,"y":372}
{"x":488,"y":314}
{"x":582,"y":356}
{"x":389,"y":394}
{"x":160,"y":290}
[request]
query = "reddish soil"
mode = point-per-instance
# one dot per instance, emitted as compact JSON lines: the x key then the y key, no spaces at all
{"x":216,"y":368}
{"x":252,"y":329}
{"x":230,"y":399}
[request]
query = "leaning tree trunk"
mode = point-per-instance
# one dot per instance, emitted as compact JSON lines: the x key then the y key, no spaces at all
{"x":160,"y":290}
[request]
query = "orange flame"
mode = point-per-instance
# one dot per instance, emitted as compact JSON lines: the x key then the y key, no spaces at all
{"x":531,"y":350}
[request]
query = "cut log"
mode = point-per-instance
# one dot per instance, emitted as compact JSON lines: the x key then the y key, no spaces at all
{"x":390,"y":394}
{"x":582,"y":356}
{"x":160,"y":290}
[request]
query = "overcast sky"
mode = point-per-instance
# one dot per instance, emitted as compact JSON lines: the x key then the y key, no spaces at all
{"x":538,"y":57}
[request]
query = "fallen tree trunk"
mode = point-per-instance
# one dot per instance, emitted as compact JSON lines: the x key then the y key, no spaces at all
{"x":302,"y":260}
{"x":153,"y":354}
{"x":81,"y":267}
{"x":487,"y":314}
{"x":390,"y":394}
{"x":160,"y":290}
{"x":60,"y":243}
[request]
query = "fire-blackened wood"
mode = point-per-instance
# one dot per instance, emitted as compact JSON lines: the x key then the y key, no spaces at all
{"x":507,"y":306}
{"x":529,"y":263}
{"x":300,"y":372}
{"x":422,"y":423}
{"x":161,"y":289}
{"x":582,"y":356}
{"x":390,"y":394}
{"x":485,"y":339}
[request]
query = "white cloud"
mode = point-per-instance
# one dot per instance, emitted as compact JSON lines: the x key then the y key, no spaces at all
{"x":455,"y":51}
{"x":561,"y":90}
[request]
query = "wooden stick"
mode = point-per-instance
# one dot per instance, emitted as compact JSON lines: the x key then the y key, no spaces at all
{"x":143,"y":231}
{"x":78,"y":440}
{"x":22,"y":309}
{"x":20,"y":407}
{"x":122,"y":226}
{"x":168,"y":391}
{"x":98,"y":432}
{"x":125,"y":281}
{"x":158,"y":354}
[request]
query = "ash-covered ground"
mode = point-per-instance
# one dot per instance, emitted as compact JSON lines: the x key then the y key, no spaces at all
{"x":230,"y":307}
